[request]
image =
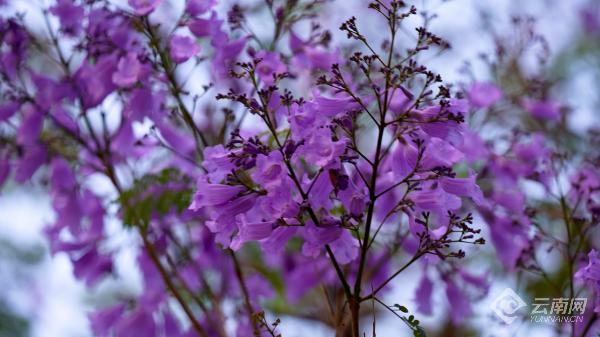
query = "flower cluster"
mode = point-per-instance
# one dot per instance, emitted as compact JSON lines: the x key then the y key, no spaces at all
{"x":286,"y":172}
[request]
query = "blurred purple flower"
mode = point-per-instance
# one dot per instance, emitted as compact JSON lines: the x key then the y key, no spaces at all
{"x":546,"y":109}
{"x":198,"y":7}
{"x":143,"y":7}
{"x":423,"y":295}
{"x":590,"y":17}
{"x":483,"y":95}
{"x":591,"y":275}
{"x":102,"y":321}
{"x":128,"y":70}
{"x":69,"y":14}
{"x":182,"y":48}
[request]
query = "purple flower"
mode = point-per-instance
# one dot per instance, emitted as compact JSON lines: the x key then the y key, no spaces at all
{"x":474,"y":148}
{"x":123,"y":140}
{"x":463,"y":187}
{"x":292,"y":175}
{"x":269,"y":65}
{"x":171,"y":326}
{"x":96,"y":79}
{"x":102,"y":321}
{"x":483,"y":95}
{"x":438,"y":153}
{"x":213,"y":194}
{"x":345,"y":248}
{"x":210,"y":27}
{"x":62,"y":118}
{"x":138,"y":323}
{"x":176,"y":140}
{"x":34,"y":158}
{"x":270,"y":170}
{"x":321,"y":150}
{"x":278,"y":239}
{"x":331,"y":107}
{"x":279,"y":201}
{"x":423,"y":295}
{"x":400,"y":101}
{"x":303,"y":275}
{"x":69,"y":14}
{"x":143,"y":7}
{"x":62,"y":177}
{"x":510,"y":240}
{"x":8,"y":110}
{"x":546,"y":109}
{"x":535,"y":147}
{"x":591,"y":275}
{"x":320,"y":192}
{"x":31,"y":127}
{"x":198,"y":7}
{"x":217,"y":162}
{"x":448,"y":131}
{"x":317,"y":237}
{"x":49,"y":92}
{"x":128,"y":70}
{"x":590,"y":17}
{"x":459,"y":303}
{"x":254,"y":231}
{"x":229,"y":210}
{"x":310,"y":56}
{"x":435,"y":199}
{"x":143,"y":102}
{"x":182,"y":48}
{"x":91,"y":266}
{"x":353,"y":199}
{"x":226,"y":53}
{"x":303,"y":120}
{"x":320,"y":58}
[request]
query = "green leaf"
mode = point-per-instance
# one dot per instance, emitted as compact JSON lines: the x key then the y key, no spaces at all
{"x":155,"y":194}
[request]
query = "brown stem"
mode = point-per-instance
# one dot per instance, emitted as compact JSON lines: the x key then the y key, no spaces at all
{"x":169,"y":283}
{"x":355,"y":313}
{"x":389,"y":279}
{"x":218,"y":326}
{"x":240,"y":277}
{"x":216,"y":305}
{"x":176,"y":91}
{"x":570,"y":258}
{"x":355,"y":302}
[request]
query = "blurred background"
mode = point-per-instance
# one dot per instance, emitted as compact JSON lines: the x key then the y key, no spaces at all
{"x":40,"y":298}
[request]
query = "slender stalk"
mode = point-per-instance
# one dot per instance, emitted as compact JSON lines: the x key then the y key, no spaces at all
{"x":174,"y":87}
{"x":389,"y":279}
{"x":215,"y":301}
{"x":171,"y":286}
{"x":570,"y":258}
{"x":240,"y":277}
{"x":355,"y":302}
